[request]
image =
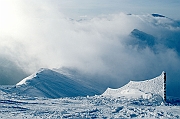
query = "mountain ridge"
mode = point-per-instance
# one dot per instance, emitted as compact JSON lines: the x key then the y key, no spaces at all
{"x":52,"y":84}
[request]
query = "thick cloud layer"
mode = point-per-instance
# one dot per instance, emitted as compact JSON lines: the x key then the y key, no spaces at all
{"x":38,"y":35}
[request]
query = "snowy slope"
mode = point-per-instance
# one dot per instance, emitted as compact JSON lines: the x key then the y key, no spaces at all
{"x":51,"y":84}
{"x":144,"y":89}
{"x":14,"y":107}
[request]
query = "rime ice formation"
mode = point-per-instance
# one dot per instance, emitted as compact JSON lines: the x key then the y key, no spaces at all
{"x":139,"y":88}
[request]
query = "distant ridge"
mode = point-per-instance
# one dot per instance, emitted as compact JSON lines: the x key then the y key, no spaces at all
{"x":157,"y":15}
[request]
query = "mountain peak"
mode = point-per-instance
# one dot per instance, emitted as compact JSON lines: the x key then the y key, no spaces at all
{"x":143,"y":39}
{"x":157,"y":15}
{"x":52,"y":84}
{"x":33,"y":76}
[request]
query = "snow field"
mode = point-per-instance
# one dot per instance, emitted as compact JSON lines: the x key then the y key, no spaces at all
{"x":85,"y":107}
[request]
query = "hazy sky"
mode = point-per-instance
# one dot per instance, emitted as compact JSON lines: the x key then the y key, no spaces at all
{"x":42,"y":33}
{"x":74,"y":8}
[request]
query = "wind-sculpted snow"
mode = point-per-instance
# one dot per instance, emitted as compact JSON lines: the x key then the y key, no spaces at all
{"x":15,"y":107}
{"x":145,"y":89}
{"x":51,"y":84}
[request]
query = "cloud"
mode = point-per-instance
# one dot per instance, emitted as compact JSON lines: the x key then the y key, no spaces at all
{"x":10,"y":73}
{"x":42,"y":36}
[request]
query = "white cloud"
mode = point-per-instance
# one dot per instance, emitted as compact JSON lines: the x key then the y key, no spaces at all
{"x":44,"y":37}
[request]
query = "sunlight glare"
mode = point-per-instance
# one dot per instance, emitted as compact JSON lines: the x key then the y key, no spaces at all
{"x":8,"y":16}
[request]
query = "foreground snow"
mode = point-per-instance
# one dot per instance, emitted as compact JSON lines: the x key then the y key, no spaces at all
{"x":12,"y":106}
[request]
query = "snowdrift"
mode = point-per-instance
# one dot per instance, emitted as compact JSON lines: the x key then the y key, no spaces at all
{"x":52,"y":84}
{"x":136,"y":89}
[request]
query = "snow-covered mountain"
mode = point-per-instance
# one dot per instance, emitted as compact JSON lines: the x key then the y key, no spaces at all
{"x":142,"y":39}
{"x":157,"y":15}
{"x":53,"y":84}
